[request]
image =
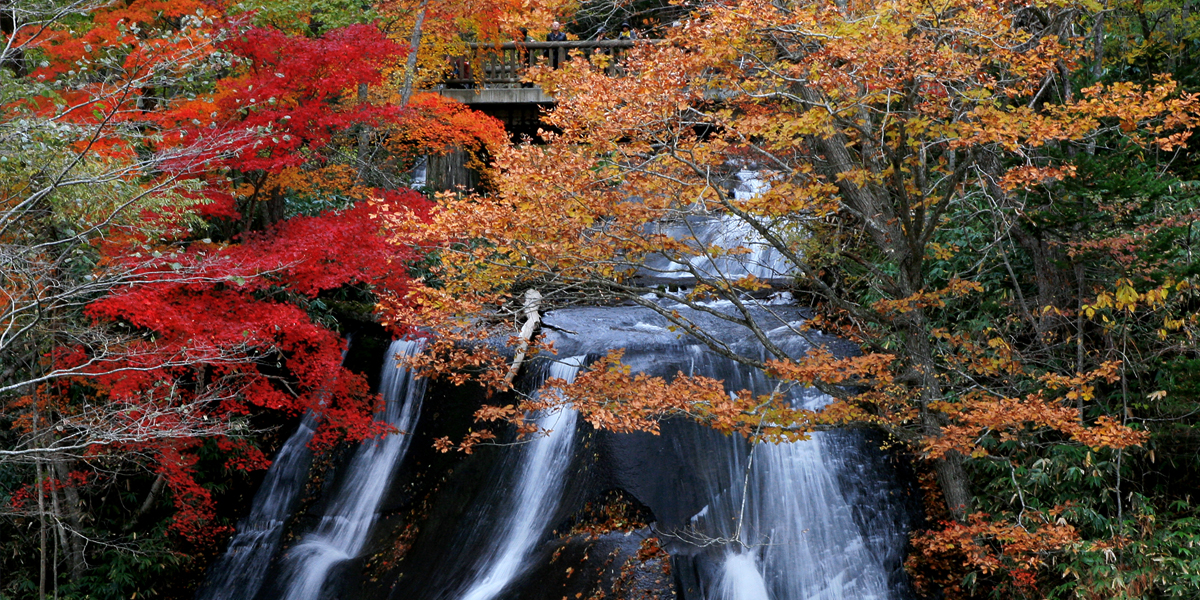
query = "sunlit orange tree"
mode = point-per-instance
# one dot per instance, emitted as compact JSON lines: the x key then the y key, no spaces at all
{"x":921,"y":161}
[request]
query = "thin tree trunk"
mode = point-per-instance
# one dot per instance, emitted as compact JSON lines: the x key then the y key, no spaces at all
{"x":41,"y":524}
{"x":1079,"y":323}
{"x":364,"y":137}
{"x":15,"y":58}
{"x":414,"y":45}
{"x":54,"y":562}
{"x":74,"y":544}
{"x":41,"y":500}
{"x":56,"y":510}
{"x":1054,"y":283}
{"x":533,"y":318}
{"x":148,"y":503}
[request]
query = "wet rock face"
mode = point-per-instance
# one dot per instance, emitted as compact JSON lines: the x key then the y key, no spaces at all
{"x":627,"y":565}
{"x":652,"y":469}
{"x":435,"y":499}
{"x":605,"y":550}
{"x":823,"y":518}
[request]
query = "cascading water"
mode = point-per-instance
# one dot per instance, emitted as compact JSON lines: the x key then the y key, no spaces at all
{"x":525,"y":515}
{"x":242,"y":569}
{"x":741,"y":252}
{"x":741,"y":522}
{"x":740,"y":578}
{"x":724,"y":247}
{"x":776,"y":522}
{"x":793,"y":526}
{"x":343,"y":529}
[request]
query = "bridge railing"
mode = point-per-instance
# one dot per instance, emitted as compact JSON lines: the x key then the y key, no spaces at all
{"x":505,"y":64}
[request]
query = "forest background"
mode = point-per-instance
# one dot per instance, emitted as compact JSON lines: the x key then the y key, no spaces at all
{"x":994,"y":200}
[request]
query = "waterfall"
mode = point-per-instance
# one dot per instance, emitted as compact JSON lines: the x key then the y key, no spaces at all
{"x":783,"y":528}
{"x":343,"y":529}
{"x":813,"y":547}
{"x":794,"y":517}
{"x":740,"y":251}
{"x":241,"y":570}
{"x":723,"y":247}
{"x":819,"y":519}
{"x":770,"y":521}
{"x":525,"y":514}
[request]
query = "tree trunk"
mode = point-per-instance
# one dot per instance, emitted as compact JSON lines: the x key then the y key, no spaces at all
{"x":1054,"y":281}
{"x":74,"y":514}
{"x":414,"y":45}
{"x":364,"y":138}
{"x":41,"y":496}
{"x":273,"y":208}
{"x":878,"y":210}
{"x":533,"y":318}
{"x":949,"y":469}
{"x":148,"y":503}
{"x":952,"y":480}
{"x":15,"y":58}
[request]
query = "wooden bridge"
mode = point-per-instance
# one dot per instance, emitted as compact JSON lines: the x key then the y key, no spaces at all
{"x":488,"y":77}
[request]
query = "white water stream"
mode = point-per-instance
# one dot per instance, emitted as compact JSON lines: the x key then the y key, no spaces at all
{"x":533,"y":499}
{"x":783,"y":525}
{"x":740,"y":579}
{"x":798,"y":539}
{"x":343,"y":530}
{"x":241,"y":570}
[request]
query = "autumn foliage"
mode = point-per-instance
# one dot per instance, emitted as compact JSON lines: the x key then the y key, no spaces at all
{"x":995,"y":201}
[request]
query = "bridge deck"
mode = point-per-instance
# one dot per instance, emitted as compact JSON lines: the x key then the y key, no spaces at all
{"x":493,"y":73}
{"x":474,"y":96}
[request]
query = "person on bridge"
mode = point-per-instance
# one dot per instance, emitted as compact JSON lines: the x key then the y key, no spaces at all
{"x":627,"y":33}
{"x":526,"y":58}
{"x":556,"y":55}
